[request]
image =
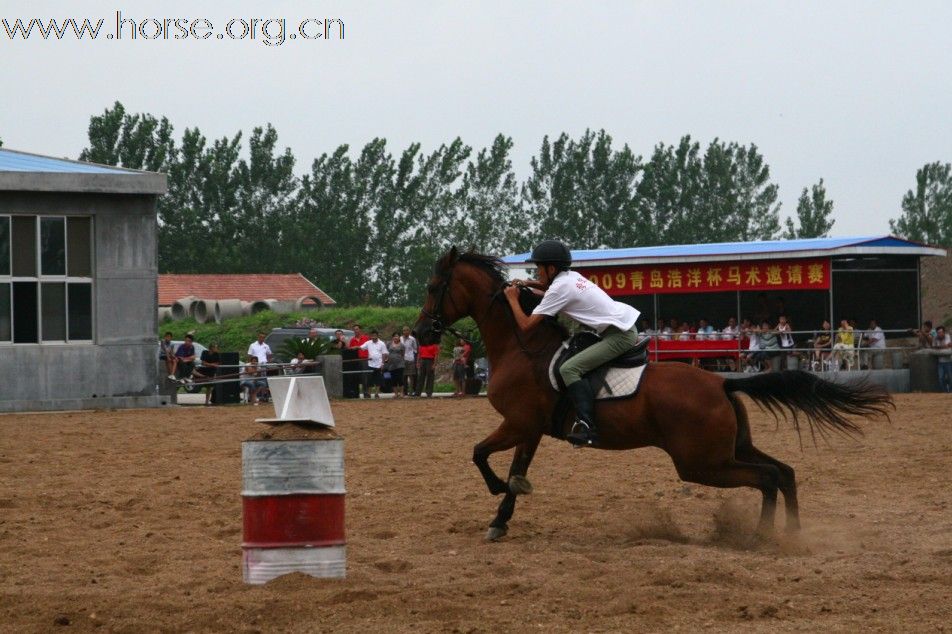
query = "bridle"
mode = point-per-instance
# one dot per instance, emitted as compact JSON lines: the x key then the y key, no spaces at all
{"x":436,"y":317}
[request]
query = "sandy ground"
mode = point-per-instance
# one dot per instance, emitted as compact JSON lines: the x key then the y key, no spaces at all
{"x":130,"y":521}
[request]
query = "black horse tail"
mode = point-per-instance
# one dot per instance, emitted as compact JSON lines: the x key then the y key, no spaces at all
{"x":824,"y":404}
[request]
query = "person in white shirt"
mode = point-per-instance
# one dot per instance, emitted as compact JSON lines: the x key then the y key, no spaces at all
{"x":730,"y":330}
{"x":260,"y":349}
{"x":568,"y":293}
{"x":704,"y":330}
{"x":875,"y":341}
{"x":410,"y":349}
{"x":377,"y":355}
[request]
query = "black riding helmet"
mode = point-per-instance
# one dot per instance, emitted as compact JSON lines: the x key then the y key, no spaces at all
{"x":552,"y":252}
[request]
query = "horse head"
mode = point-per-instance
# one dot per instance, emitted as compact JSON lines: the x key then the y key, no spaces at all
{"x":462,"y":285}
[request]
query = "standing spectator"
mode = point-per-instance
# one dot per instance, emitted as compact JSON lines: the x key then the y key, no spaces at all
{"x":211,"y":359}
{"x":185,"y":360}
{"x":875,"y":341}
{"x":925,"y":334}
{"x":785,"y":333}
{"x":942,"y":344}
{"x":427,"y":368}
{"x":252,"y":379}
{"x":377,"y":356}
{"x":260,"y":350}
{"x":167,"y":354}
{"x":396,"y":351}
{"x":410,"y":350}
{"x":843,"y":349}
{"x":357,"y":341}
{"x":754,"y":355}
{"x":340,"y":342}
{"x":460,"y":361}
{"x":769,"y":345}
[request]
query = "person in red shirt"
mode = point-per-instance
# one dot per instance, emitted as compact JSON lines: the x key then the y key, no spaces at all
{"x":427,"y":358}
{"x":357,"y":341}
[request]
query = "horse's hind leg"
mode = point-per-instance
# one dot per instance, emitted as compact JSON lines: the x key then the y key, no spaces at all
{"x":745,"y":450}
{"x":763,"y":477}
{"x":518,"y":485}
{"x":787,"y":482}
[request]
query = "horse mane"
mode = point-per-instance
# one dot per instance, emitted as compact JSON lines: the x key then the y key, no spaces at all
{"x":496,"y":269}
{"x":488,"y":263}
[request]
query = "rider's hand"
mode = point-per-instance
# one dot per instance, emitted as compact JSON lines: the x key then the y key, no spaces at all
{"x":512,"y":292}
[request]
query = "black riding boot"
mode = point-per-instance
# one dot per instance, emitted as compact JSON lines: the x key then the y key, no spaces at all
{"x":583,"y":431}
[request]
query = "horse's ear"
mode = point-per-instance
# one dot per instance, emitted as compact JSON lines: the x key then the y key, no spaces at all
{"x":454,"y":253}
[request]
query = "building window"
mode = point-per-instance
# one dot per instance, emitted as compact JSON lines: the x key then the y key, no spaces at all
{"x":46,"y":283}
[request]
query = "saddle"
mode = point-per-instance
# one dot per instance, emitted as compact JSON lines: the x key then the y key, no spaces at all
{"x":617,"y":379}
{"x":636,"y":357}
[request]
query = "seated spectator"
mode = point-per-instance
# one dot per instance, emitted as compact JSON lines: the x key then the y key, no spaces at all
{"x":185,"y":360}
{"x":211,"y":359}
{"x":298,"y":364}
{"x":253,"y":380}
{"x":843,"y":349}
{"x":875,"y":342}
{"x":730,"y":330}
{"x":167,"y":354}
{"x":684,"y":332}
{"x":822,"y":345}
{"x":704,"y":330}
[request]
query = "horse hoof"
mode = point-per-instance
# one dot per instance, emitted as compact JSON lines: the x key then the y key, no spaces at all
{"x":495,"y":533}
{"x":519,"y":485}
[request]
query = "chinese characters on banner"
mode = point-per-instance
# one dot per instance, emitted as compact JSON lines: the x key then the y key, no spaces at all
{"x":712,"y":277}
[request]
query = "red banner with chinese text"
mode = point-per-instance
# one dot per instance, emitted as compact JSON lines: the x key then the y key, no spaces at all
{"x":712,"y":277}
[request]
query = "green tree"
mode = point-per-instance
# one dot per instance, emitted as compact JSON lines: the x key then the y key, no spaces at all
{"x":814,"y":214}
{"x":927,"y":210}
{"x":491,"y":219}
{"x":138,"y":141}
{"x":581,"y":191}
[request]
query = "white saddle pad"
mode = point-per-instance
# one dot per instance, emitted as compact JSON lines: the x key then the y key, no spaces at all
{"x":619,"y":382}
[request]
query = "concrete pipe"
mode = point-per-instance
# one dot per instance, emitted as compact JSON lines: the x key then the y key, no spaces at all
{"x":262,"y":305}
{"x":308,"y":302}
{"x":282,"y":307}
{"x":165,"y":313}
{"x":205,"y":311}
{"x":227,"y":309}
{"x":184,"y":308}
{"x":246,"y":308}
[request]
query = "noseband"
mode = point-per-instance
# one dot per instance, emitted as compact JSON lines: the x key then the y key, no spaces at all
{"x":436,"y":317}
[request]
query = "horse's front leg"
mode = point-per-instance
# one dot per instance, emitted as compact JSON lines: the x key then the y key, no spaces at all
{"x":505,"y":437}
{"x":518,"y":485}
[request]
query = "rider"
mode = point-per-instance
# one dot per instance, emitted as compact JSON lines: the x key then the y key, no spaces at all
{"x":567,"y":292}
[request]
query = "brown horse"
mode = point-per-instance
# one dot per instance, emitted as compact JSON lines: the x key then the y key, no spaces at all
{"x":692,"y":414}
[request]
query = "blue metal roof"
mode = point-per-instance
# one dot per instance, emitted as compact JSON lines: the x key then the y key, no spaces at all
{"x":727,"y":250}
{"x":11,"y":161}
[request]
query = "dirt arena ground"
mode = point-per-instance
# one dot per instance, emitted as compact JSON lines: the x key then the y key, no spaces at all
{"x":130,"y":521}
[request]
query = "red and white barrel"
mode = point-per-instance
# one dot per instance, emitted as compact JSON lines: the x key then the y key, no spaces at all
{"x":293,"y":508}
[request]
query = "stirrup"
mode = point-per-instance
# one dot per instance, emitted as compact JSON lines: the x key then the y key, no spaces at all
{"x":582,"y":434}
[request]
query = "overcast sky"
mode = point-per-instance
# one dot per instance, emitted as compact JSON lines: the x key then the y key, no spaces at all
{"x":858,"y":93}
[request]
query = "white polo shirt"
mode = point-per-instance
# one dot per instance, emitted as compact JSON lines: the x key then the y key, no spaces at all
{"x":376,"y":350}
{"x":260,"y":350}
{"x":576,"y":297}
